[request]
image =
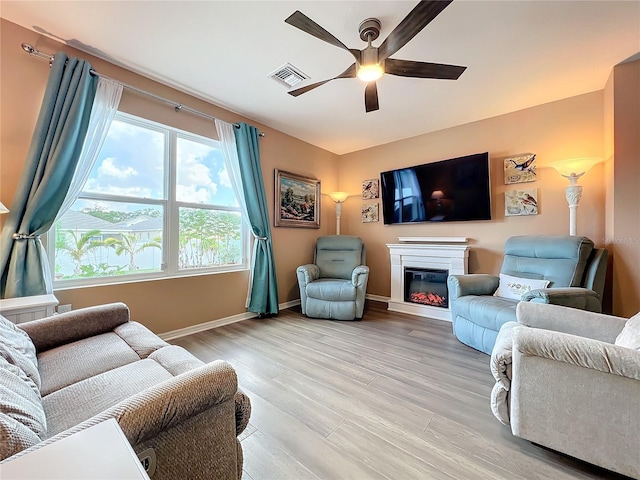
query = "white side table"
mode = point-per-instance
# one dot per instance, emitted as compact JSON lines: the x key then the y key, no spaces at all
{"x":99,"y":452}
{"x":25,"y":309}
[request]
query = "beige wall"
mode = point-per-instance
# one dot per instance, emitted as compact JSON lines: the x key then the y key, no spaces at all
{"x":578,"y":126}
{"x":163,"y":305}
{"x":564,"y":129}
{"x":609,"y":183}
{"x":623,"y":233}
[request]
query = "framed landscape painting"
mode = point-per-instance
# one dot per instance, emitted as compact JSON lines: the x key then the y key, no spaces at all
{"x":297,"y":202}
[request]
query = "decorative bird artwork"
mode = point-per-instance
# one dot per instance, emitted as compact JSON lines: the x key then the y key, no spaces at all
{"x":519,"y":169}
{"x":529,"y":202}
{"x":521,"y":202}
{"x":526,"y":165}
{"x":370,"y":189}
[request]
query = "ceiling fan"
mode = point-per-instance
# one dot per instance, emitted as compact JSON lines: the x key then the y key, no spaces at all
{"x":372,"y":62}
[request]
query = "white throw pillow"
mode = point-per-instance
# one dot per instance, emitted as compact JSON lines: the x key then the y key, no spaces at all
{"x":515,"y":287}
{"x":630,"y":335}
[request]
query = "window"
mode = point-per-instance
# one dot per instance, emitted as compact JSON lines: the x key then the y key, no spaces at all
{"x":157,"y":203}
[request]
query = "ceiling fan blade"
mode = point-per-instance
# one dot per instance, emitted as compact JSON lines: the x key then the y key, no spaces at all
{"x":304,"y":23}
{"x":412,"y":24}
{"x":371,"y":97}
{"x":348,"y":73}
{"x":305,"y":89}
{"x":409,"y":68}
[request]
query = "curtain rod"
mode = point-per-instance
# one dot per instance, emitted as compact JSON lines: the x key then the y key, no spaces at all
{"x":176,"y":106}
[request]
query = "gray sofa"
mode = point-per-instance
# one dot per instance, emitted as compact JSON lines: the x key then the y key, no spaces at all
{"x":65,"y":373}
{"x":570,"y":380}
{"x":574,"y":268}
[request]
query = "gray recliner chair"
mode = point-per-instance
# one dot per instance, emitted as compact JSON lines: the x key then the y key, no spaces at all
{"x":334,"y":285}
{"x":574,"y":268}
{"x":569,"y":380}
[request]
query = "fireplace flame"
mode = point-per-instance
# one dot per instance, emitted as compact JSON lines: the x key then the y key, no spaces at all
{"x":429,"y":298}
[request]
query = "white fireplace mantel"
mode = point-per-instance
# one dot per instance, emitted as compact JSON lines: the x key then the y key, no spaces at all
{"x":451,"y":255}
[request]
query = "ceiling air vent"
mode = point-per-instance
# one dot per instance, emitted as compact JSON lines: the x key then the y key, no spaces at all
{"x":288,"y":75}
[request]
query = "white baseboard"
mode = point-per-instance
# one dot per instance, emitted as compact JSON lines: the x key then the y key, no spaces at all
{"x":201,"y":327}
{"x":292,"y":303}
{"x":377,"y":298}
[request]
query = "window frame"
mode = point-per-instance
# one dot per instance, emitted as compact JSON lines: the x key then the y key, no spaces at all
{"x":169,"y":267}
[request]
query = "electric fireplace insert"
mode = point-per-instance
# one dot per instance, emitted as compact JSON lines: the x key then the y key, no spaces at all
{"x":426,"y":286}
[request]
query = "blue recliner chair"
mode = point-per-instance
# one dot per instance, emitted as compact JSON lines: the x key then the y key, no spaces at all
{"x":335,"y":284}
{"x":574,"y":268}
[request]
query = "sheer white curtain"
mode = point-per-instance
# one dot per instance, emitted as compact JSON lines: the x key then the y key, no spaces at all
{"x":104,"y":109}
{"x":228,"y":138}
{"x":105,"y":106}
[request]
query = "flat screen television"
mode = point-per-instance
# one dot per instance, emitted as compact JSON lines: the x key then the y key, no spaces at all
{"x":451,"y":190}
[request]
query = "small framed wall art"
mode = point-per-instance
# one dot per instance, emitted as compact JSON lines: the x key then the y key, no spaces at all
{"x":370,"y":189}
{"x":370,"y":213}
{"x":521,"y":202}
{"x":297,"y":202}
{"x":520,"y":169}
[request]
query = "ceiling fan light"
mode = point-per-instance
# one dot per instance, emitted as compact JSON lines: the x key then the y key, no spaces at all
{"x":370,"y":73}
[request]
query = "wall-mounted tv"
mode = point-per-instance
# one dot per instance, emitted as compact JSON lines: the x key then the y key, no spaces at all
{"x":451,"y":190}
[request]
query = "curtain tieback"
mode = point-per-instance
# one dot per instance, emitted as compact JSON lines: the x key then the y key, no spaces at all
{"x":24,"y":236}
{"x":259,"y":238}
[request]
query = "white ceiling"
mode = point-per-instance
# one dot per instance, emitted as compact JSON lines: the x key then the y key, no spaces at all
{"x":518,"y":53}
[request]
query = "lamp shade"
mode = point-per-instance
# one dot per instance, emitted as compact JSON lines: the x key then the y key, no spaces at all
{"x":339,"y":197}
{"x":3,"y":209}
{"x":437,"y":195}
{"x":575,"y":167}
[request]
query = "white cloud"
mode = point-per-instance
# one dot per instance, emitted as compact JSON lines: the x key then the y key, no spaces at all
{"x":195,"y":182}
{"x":193,"y":194}
{"x":140,"y":192}
{"x":108,"y":168}
{"x":94,"y":185}
{"x":192,"y":173}
{"x":223,"y":175}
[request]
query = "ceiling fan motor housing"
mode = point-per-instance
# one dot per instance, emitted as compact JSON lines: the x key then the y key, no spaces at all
{"x":369,"y":56}
{"x":369,"y":29}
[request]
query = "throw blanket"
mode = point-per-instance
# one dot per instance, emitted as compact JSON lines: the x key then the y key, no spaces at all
{"x":501,"y":359}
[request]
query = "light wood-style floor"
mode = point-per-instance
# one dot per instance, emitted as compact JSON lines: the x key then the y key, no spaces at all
{"x":390,"y":397}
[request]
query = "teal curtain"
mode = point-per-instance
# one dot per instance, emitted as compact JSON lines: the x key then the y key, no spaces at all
{"x":263,"y":298}
{"x":55,"y":148}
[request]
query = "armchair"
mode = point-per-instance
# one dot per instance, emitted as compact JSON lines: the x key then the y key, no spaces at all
{"x":574,"y":269}
{"x":569,"y":380}
{"x":334,"y":285}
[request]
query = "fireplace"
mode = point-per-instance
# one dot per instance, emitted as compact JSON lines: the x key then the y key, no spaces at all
{"x":426,"y":286}
{"x":419,"y":270}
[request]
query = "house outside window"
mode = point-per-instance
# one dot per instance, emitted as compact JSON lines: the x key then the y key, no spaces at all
{"x":158,"y":203}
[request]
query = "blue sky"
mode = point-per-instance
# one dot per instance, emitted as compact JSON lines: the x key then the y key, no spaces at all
{"x":131,"y":164}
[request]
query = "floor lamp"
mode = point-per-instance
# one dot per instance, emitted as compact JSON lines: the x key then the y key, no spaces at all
{"x":573,"y":169}
{"x":339,"y":198}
